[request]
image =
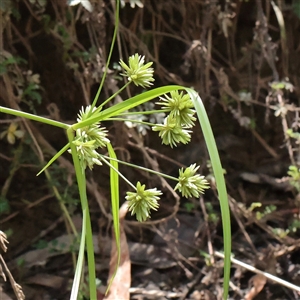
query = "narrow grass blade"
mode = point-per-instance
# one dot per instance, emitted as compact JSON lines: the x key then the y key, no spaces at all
{"x":79,"y":265}
{"x":87,"y":238}
{"x":221,"y":187}
{"x":54,"y":158}
{"x":130,"y":103}
{"x":29,"y":116}
{"x":114,"y":189}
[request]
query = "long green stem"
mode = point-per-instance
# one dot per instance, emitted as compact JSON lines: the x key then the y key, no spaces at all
{"x":142,"y":168}
{"x":80,"y":176}
{"x":117,"y":171}
{"x":147,"y":112}
{"x":110,"y":53}
{"x":33,"y":117}
{"x":133,"y":121}
{"x":113,"y":96}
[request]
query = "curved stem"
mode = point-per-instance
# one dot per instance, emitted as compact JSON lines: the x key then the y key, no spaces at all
{"x":221,"y":186}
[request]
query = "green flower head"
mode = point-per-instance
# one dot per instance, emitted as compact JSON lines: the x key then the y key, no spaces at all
{"x":141,"y":201}
{"x":86,"y":152}
{"x":191,"y":184}
{"x":138,"y":72}
{"x":93,"y":132}
{"x":172,"y":132}
{"x":180,"y":107}
{"x":88,"y":139}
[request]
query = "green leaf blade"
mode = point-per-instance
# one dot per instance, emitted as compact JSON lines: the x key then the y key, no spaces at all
{"x":220,"y":181}
{"x":114,"y":189}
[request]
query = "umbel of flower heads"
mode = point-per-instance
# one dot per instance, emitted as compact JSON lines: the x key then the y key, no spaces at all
{"x":174,"y":130}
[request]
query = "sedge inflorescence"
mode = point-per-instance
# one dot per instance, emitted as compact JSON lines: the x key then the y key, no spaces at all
{"x":137,"y":72}
{"x":142,"y":200}
{"x":191,"y":184}
{"x":177,"y":124}
{"x":88,"y":139}
{"x":174,"y":127}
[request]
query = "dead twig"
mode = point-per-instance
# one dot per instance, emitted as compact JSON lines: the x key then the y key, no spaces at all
{"x":257,"y":271}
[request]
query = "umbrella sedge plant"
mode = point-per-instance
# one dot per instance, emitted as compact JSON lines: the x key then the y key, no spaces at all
{"x":180,"y":106}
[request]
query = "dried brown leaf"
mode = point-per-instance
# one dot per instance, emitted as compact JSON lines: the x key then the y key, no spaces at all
{"x":47,"y":280}
{"x":120,"y":286}
{"x":258,"y":282}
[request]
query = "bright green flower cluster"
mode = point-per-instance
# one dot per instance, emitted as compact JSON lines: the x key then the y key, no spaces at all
{"x":137,"y":72}
{"x":180,"y":119}
{"x":141,"y":201}
{"x":172,"y":132}
{"x":175,"y":129}
{"x":88,"y":139}
{"x":180,"y":106}
{"x":191,"y":184}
